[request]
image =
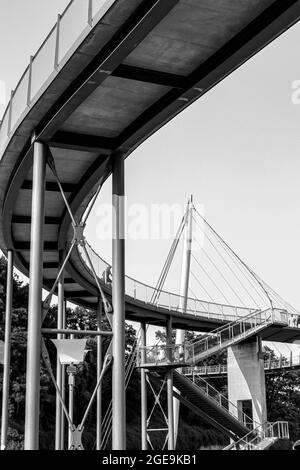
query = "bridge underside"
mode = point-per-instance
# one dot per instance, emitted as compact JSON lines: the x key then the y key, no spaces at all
{"x":140,"y":65}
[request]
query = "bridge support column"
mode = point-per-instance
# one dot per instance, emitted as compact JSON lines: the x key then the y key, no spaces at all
{"x":118,"y":300}
{"x":170,"y":389}
{"x":35,"y":299}
{"x":246,"y":380}
{"x":59,"y":369}
{"x":99,"y":370}
{"x":144,"y":410}
{"x":63,"y":384}
{"x":184,"y":290}
{"x":7,"y":348}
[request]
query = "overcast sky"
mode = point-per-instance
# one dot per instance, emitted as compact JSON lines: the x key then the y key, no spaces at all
{"x":236,"y":150}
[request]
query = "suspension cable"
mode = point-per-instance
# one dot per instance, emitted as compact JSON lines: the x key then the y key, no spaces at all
{"x":221,"y":274}
{"x":232,"y":271}
{"x":241,"y":261}
{"x":168,"y":262}
{"x":212,"y":281}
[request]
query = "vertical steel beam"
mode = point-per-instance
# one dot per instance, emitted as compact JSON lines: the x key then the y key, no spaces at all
{"x":35,"y":299}
{"x":118,"y":300}
{"x":60,"y":324}
{"x":63,"y":385}
{"x":143,"y":389}
{"x":71,"y":383}
{"x":7,"y":348}
{"x":170,"y":388}
{"x":184,"y":290}
{"x":99,"y":370}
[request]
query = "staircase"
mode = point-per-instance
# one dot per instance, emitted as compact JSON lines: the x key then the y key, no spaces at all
{"x":262,"y":438}
{"x":211,"y":405}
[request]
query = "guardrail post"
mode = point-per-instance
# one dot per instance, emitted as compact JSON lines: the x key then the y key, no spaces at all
{"x":10,"y":112}
{"x":28,"y":101}
{"x":90,"y":13}
{"x":146,"y":301}
{"x":56,"y":55}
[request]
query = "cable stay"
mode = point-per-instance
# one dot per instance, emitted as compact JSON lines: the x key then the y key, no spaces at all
{"x":257,"y":289}
{"x":166,"y":267}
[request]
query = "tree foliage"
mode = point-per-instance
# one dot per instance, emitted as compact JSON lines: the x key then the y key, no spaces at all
{"x":283,"y":394}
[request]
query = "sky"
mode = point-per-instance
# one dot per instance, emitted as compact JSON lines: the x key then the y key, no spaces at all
{"x":236,"y":150}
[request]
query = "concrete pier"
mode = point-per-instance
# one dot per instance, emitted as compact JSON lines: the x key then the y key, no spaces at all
{"x":246,"y":380}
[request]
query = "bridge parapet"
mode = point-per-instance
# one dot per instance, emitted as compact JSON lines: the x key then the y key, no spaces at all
{"x":165,"y":356}
{"x":170,"y":301}
{"x":228,"y":335}
{"x":71,"y":27}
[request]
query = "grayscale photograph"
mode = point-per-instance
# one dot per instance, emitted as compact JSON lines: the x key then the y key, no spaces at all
{"x":149,"y":228}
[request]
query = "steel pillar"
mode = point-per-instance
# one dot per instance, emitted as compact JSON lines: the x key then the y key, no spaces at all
{"x":63,"y":386}
{"x":144,"y":410}
{"x":59,"y":371}
{"x":99,"y":370}
{"x":170,"y":389}
{"x":7,"y":348}
{"x":118,"y":300}
{"x":184,"y":290}
{"x":71,"y":384}
{"x":35,"y":299}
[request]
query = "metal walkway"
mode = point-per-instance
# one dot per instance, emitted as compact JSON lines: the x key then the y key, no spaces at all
{"x":233,"y":333}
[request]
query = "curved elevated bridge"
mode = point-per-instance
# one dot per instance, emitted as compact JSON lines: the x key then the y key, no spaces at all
{"x":108,"y":76}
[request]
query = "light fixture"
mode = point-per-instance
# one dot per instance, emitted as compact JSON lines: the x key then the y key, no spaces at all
{"x":70,"y":351}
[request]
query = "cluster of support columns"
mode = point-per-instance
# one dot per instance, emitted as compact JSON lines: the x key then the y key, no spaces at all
{"x":32,"y":406}
{"x":241,"y":358}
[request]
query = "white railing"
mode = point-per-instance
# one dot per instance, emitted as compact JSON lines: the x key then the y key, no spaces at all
{"x":221,"y":369}
{"x":222,"y":401}
{"x":159,"y":355}
{"x":218,"y":339}
{"x":268,"y":433}
{"x":77,"y":19}
{"x":233,"y":332}
{"x":144,"y":293}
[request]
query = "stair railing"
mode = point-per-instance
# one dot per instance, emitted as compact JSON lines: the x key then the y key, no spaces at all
{"x":222,"y":401}
{"x":266,"y":431}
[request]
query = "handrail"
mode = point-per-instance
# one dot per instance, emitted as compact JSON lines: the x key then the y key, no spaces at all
{"x":225,"y":404}
{"x":217,"y":340}
{"x":22,"y":95}
{"x":192,"y":299}
{"x":142,"y":292}
{"x":219,"y":369}
{"x":270,"y":431}
{"x":232,"y":332}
